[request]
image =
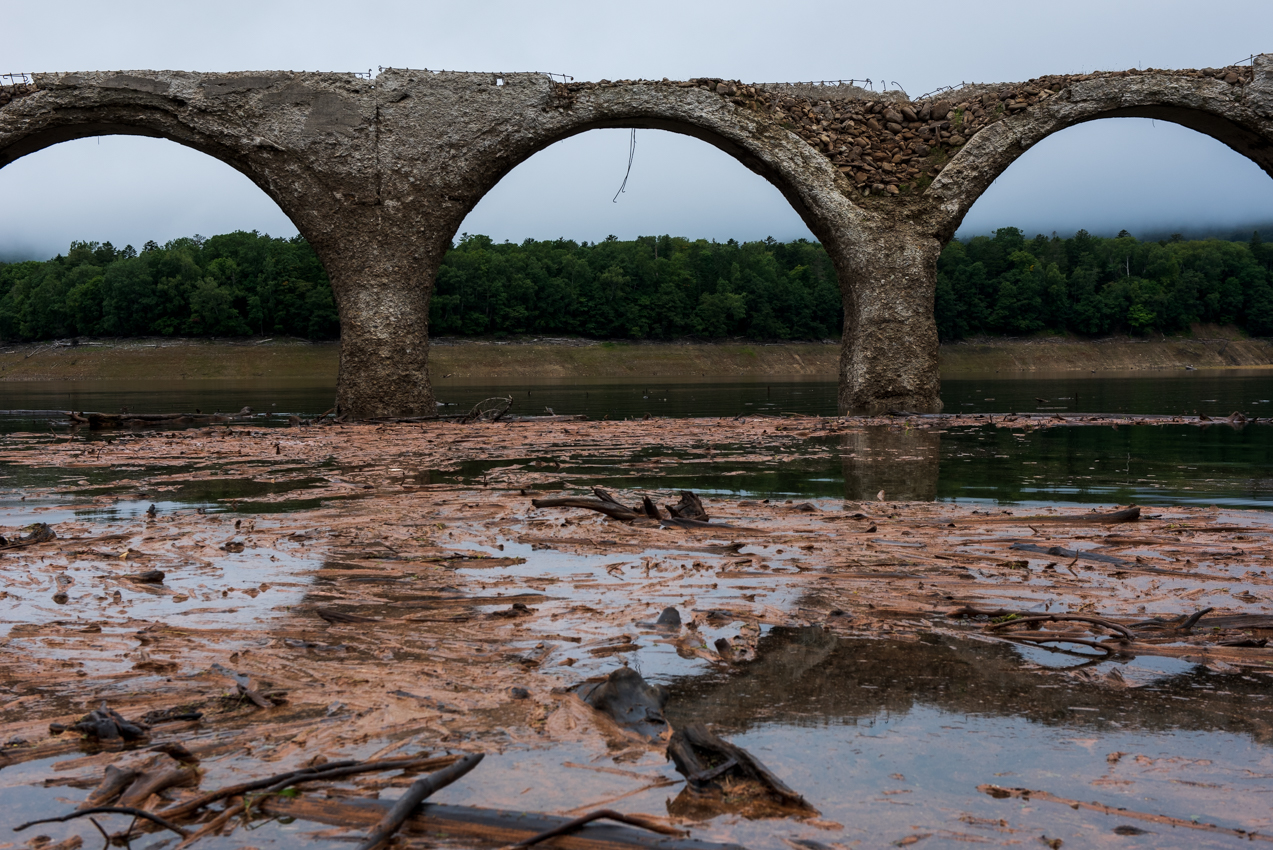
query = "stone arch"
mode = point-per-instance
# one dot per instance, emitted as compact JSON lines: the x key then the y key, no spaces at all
{"x":1237,"y":116}
{"x":545,"y":113}
{"x":72,"y":107}
{"x":888,"y":347}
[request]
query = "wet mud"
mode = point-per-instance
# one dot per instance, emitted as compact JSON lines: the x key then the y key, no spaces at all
{"x":379,"y":592}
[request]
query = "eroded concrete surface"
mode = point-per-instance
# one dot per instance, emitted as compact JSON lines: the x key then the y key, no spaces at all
{"x":390,"y":589}
{"x":378,"y":175}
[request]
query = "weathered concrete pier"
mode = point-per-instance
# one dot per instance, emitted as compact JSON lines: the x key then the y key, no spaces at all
{"x":378,"y":175}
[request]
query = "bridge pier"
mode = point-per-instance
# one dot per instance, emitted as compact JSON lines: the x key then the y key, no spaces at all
{"x":384,"y":332}
{"x":889,"y":348}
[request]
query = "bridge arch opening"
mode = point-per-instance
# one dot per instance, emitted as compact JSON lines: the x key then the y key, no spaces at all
{"x":697,"y":245}
{"x":156,"y":238}
{"x":1118,"y":225}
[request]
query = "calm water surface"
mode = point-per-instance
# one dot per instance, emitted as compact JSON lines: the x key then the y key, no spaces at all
{"x":1150,"y":465}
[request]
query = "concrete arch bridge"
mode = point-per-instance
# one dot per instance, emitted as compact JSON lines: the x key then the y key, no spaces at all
{"x":378,"y":175}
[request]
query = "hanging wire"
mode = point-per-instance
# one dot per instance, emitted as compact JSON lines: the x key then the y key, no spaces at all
{"x":631,"y":154}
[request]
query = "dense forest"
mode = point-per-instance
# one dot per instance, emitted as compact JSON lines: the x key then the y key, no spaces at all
{"x":664,"y":287}
{"x":1006,"y":284}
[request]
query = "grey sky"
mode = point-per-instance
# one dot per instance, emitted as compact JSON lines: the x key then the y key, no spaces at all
{"x":1103,"y":176}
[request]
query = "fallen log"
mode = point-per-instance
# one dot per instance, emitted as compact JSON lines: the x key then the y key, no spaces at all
{"x":601,"y":502}
{"x":1062,"y":552}
{"x":1062,"y":618}
{"x":499,"y":827}
{"x":1126,"y":515}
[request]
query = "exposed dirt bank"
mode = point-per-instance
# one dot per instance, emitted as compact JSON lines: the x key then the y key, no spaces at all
{"x":1112,"y":354}
{"x":147,"y":359}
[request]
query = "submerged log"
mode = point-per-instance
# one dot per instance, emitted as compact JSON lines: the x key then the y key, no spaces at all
{"x":99,"y":421}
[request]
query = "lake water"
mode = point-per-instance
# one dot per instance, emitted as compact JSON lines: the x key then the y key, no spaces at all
{"x":892,"y":741}
{"x":1150,"y":465}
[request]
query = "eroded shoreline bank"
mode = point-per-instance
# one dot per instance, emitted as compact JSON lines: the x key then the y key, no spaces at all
{"x":546,"y":359}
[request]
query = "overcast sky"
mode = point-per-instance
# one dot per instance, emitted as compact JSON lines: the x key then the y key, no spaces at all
{"x":1106,"y":176}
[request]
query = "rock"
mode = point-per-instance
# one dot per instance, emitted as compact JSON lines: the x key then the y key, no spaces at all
{"x":909,"y":114}
{"x":893,"y":115}
{"x":921,"y":150}
{"x":893,"y":127}
{"x":940,"y":110}
{"x":726,"y":89}
{"x":873,"y":124}
{"x":1231,"y":77}
{"x":892,"y":190}
{"x":631,"y":702}
{"x":149,"y":577}
{"x":669,"y":618}
{"x":956,"y":140}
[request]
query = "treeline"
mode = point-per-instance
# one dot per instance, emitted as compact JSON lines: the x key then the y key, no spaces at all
{"x":233,"y":285}
{"x":650,"y":288}
{"x":247,"y":283}
{"x":662,"y":287}
{"x":1093,"y":286}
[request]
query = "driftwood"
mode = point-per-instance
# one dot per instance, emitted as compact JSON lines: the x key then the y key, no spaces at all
{"x":702,"y":757}
{"x":687,"y":513}
{"x":488,"y":410}
{"x":1126,"y":515}
{"x":1061,"y":638}
{"x":115,"y":780}
{"x":1062,"y":552}
{"x":1001,"y":793}
{"x":109,"y":810}
{"x":1062,"y":618}
{"x":103,"y":724}
{"x":100,"y":421}
{"x":496,"y":827}
{"x":601,"y":502}
{"x":1179,"y":624}
{"x":601,"y":814}
{"x":154,"y":780}
{"x":419,"y":791}
{"x":39,"y":532}
{"x":331,"y":770}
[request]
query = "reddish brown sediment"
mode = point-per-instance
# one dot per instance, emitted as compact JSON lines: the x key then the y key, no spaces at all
{"x":411,"y":603}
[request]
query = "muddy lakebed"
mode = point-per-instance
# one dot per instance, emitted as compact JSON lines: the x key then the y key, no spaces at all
{"x":1015,"y":657}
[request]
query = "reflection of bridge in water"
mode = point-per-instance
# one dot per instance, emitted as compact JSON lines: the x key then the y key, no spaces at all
{"x":378,"y":175}
{"x":902,"y":462}
{"x":811,"y":676}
